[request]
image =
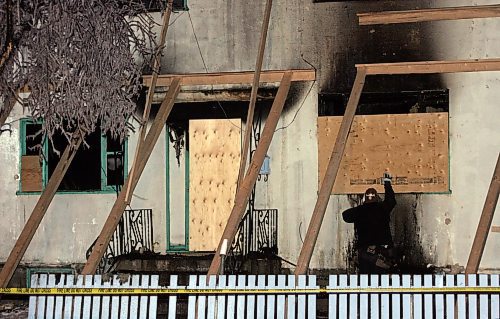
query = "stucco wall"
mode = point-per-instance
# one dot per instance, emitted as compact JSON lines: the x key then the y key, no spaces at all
{"x":434,"y":228}
{"x":73,"y":221}
{"x":441,"y":226}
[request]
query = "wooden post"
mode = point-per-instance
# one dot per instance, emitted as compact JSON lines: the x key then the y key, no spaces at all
{"x":330,"y":175}
{"x":253,"y":94}
{"x":485,"y":221}
{"x":8,"y":105}
{"x":151,"y":91}
{"x":435,"y":14}
{"x":243,"y":192}
{"x":120,"y":203}
{"x":39,"y":211}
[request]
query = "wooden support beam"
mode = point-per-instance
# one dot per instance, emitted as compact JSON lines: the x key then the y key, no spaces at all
{"x":9,"y":103}
{"x":120,"y":203}
{"x":248,"y":182}
{"x":253,"y":94}
{"x":485,"y":221}
{"x":431,"y":67}
{"x":330,"y":175}
{"x":422,"y":15}
{"x":151,"y":91}
{"x":220,"y":78}
{"x":38,"y":213}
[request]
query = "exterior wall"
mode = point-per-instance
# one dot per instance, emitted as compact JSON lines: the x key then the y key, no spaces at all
{"x":73,"y":221}
{"x":433,"y":228}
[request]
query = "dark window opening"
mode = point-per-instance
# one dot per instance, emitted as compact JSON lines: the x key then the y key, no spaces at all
{"x":370,"y":103}
{"x":115,"y":161}
{"x":84,"y":172}
{"x":33,"y":138}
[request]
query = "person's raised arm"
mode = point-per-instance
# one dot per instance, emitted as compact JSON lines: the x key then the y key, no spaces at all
{"x":389,"y":198}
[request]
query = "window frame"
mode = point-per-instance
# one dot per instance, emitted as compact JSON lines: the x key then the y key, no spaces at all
{"x":105,"y":188}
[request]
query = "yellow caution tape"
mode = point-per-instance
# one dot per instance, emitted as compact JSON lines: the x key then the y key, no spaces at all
{"x":167,"y":291}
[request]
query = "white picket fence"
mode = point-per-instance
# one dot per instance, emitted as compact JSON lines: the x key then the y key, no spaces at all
{"x":355,"y":304}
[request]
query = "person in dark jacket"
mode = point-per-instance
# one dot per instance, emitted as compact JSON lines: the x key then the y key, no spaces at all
{"x":371,"y":224}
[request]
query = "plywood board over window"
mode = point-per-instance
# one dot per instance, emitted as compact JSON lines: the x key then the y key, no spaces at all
{"x":31,"y":173}
{"x":214,"y":158}
{"x":412,"y":147}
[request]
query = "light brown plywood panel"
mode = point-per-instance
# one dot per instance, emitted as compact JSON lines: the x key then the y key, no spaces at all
{"x":413,"y":147}
{"x":214,"y":159}
{"x":31,"y":173}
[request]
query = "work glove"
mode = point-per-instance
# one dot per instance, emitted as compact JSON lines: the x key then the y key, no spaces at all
{"x":387,"y":177}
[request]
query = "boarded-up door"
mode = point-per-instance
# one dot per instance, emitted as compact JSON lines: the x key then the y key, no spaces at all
{"x":214,"y":159}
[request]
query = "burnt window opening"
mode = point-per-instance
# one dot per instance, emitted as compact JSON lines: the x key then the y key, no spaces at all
{"x":371,"y":103}
{"x":100,"y":166}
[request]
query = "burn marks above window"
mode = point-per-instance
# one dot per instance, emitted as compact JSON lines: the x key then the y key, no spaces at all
{"x":334,"y":104}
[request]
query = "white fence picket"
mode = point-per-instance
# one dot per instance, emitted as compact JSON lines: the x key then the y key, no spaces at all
{"x":240,"y":300}
{"x":428,"y":298}
{"x":211,"y":300}
{"x":311,"y":299}
{"x":172,"y":300}
{"x":105,"y":302}
{"x":439,"y":298}
{"x":261,"y":299}
{"x":58,"y":310}
{"x":417,"y":298}
{"x":384,"y":299}
{"x":472,"y":298}
{"x":96,"y":300}
{"x":396,"y":298}
{"x":231,"y":299}
{"x":250,"y":309}
{"x":115,"y":300}
{"x":192,"y":298}
{"x":291,"y":299}
{"x":281,"y":299}
{"x":450,"y":298}
{"x":353,"y":297}
{"x":495,"y":298}
{"x":77,"y":300}
{"x":153,"y":300}
{"x":143,"y":312}
{"x":49,"y":312}
{"x":374,"y":298}
{"x":301,"y":299}
{"x":271,"y":299}
{"x":134,"y":300}
{"x":87,"y":300}
{"x":221,"y":299}
{"x":33,"y":299}
{"x":406,"y":297}
{"x":343,"y":310}
{"x":40,"y":309}
{"x":68,"y":300}
{"x":483,"y":299}
{"x":332,"y":298}
{"x":363,"y":298}
{"x":461,"y":305}
{"x":202,"y":300}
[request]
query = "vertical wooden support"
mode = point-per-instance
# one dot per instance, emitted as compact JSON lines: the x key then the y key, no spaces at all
{"x":253,"y":94}
{"x":243,"y":192}
{"x":8,"y":105}
{"x":151,"y":92}
{"x":120,"y":203}
{"x":39,"y":211}
{"x":330,"y":175}
{"x":485,"y":221}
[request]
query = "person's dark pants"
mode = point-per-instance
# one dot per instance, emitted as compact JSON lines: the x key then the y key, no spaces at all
{"x":376,"y":260}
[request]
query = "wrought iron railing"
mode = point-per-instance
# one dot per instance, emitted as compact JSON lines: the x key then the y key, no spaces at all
{"x":257,"y":234}
{"x":134,"y":233}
